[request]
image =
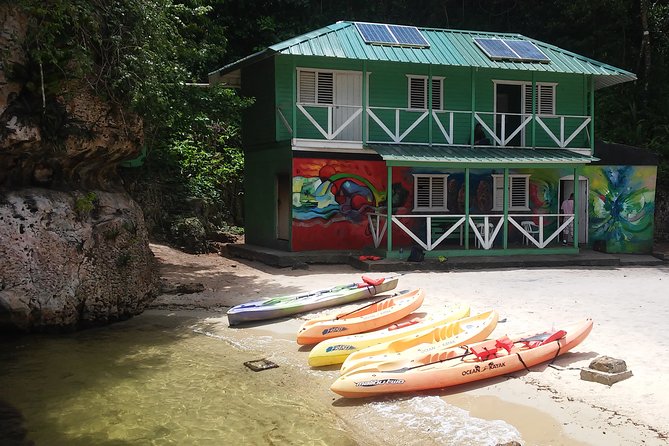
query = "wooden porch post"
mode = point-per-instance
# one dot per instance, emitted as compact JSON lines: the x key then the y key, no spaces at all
{"x":577,"y":199}
{"x":294,"y":105}
{"x":473,"y":108}
{"x":534,"y":112}
{"x":506,"y":208}
{"x":429,"y":103}
{"x":466,"y":228}
{"x":389,"y":204}
{"x":364,"y":102}
{"x":592,"y":115}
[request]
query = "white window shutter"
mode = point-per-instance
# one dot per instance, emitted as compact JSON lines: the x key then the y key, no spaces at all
{"x":518,"y":193}
{"x":325,"y":88}
{"x":546,"y":97}
{"x":307,"y":87}
{"x":417,"y":92}
{"x":422,"y":192}
{"x":436,"y":94}
{"x":438,"y":189}
{"x":527,"y":89}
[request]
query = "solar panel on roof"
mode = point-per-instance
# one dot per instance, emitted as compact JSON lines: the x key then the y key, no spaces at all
{"x":496,"y":49}
{"x":375,"y":33}
{"x":396,"y":35}
{"x":408,"y":35}
{"x":515,"y":50}
{"x":526,"y":50}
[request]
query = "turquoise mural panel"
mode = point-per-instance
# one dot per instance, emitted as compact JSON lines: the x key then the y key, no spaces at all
{"x":622,"y":207}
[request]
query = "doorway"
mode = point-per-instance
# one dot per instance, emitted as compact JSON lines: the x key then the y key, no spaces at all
{"x":565,"y":190}
{"x":508,"y":106}
{"x":348,"y":100}
{"x":283,"y":204}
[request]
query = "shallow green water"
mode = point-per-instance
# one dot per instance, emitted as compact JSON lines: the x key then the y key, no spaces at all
{"x":153,"y":381}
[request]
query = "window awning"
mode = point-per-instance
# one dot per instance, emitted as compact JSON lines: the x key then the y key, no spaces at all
{"x":435,"y":156}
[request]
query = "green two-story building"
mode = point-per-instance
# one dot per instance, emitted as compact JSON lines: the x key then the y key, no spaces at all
{"x":460,"y":142}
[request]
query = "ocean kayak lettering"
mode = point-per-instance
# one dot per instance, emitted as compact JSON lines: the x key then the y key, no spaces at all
{"x":334,"y":330}
{"x":379,"y":382}
{"x":478,"y":369}
{"x":339,"y":347}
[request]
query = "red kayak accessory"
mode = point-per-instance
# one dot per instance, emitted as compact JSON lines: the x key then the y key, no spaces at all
{"x":373,"y":282}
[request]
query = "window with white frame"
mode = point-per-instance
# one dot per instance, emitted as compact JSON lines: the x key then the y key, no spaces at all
{"x":418,"y":92}
{"x":519,"y":192}
{"x":545,"y":95}
{"x":315,"y":87}
{"x":429,"y":192}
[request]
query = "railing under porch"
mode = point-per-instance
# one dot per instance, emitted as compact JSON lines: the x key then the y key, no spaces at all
{"x":485,"y":228}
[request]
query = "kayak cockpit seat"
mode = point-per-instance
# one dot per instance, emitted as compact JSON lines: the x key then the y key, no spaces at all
{"x":368,"y":281}
{"x":543,"y":338}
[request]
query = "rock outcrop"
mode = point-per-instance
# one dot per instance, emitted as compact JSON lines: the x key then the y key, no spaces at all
{"x":73,"y":246}
{"x":70,"y":260}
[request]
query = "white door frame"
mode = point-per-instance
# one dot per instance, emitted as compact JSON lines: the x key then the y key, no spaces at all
{"x":583,"y":217}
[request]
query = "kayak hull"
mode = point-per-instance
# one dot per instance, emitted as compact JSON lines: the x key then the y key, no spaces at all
{"x":335,"y":351}
{"x":402,"y":352}
{"x":366,"y":318}
{"x":458,"y":369}
{"x":284,"y":306}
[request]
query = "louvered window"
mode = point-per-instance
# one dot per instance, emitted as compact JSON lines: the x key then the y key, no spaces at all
{"x":545,"y":99}
{"x":418,"y":92}
{"x":430,"y":193}
{"x":519,"y":187}
{"x":316,"y":87}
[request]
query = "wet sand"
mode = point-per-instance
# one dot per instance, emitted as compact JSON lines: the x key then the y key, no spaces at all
{"x":544,"y":406}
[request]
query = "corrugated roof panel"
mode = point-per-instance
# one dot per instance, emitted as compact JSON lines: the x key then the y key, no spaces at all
{"x":401,"y":153}
{"x":447,"y":47}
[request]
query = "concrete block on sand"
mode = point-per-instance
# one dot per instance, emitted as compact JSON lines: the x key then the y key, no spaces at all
{"x":606,"y":370}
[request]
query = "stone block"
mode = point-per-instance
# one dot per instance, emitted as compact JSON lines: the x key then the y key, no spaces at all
{"x":608,"y":364}
{"x":604,"y":377}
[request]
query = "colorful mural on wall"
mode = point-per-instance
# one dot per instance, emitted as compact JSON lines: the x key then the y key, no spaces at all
{"x":622,"y":207}
{"x":331,"y":200}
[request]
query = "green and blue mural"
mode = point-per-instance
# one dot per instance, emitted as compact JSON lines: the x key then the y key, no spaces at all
{"x":622,"y":207}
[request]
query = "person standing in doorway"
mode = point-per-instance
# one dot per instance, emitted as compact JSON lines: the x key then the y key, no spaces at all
{"x":568,"y":208}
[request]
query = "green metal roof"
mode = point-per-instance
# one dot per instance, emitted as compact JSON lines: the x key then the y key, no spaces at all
{"x":447,"y":47}
{"x":406,"y":154}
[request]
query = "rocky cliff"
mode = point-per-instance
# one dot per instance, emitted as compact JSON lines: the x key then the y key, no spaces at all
{"x":73,"y":245}
{"x":69,"y":260}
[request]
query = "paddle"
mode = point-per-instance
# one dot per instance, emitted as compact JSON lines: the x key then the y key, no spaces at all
{"x":275,"y":300}
{"x":373,"y":303}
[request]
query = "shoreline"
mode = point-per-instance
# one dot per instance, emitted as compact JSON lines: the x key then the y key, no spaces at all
{"x":545,"y":405}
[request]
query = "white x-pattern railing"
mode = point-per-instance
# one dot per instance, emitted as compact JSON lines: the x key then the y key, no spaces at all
{"x":485,"y":227}
{"x":400,"y":124}
{"x":330,"y":132}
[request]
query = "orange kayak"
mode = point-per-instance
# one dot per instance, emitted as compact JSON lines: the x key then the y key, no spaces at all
{"x":443,"y":337}
{"x":464,"y":364}
{"x":366,"y":318}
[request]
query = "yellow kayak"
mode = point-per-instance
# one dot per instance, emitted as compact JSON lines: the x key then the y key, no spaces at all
{"x":434,"y":340}
{"x":366,"y":318}
{"x":335,"y":350}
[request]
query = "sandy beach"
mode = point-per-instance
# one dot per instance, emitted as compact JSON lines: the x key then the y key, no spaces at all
{"x":546,"y":406}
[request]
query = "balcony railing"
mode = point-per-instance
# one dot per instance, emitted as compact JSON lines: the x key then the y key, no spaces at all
{"x":538,"y":230}
{"x":438,"y":127}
